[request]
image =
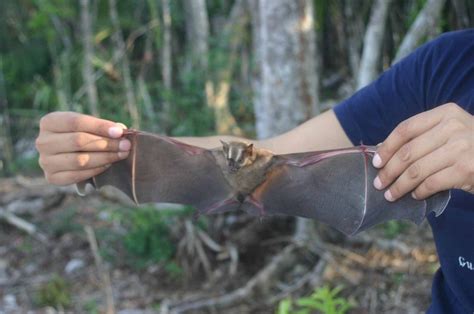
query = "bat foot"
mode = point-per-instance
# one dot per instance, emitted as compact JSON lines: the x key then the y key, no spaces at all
{"x":256,"y":203}
{"x":221,"y":206}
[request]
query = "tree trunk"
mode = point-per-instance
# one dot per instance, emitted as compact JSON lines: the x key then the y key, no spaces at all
{"x":424,"y":24}
{"x":87,"y":68}
{"x":373,"y":41}
{"x":166,"y":65}
{"x":197,"y":31}
{"x":217,"y":94}
{"x":6,"y":146}
{"x":124,"y":65}
{"x":354,"y":30}
{"x":289,"y":81}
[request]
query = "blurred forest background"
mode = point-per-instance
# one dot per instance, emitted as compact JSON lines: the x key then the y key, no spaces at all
{"x":253,"y":68}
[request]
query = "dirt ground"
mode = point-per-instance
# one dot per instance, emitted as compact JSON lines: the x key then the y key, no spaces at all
{"x":382,"y":270}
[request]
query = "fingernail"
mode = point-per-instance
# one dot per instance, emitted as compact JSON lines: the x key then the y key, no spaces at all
{"x":388,"y":196}
{"x":122,"y":155}
{"x":377,"y":183}
{"x":379,"y":144}
{"x":125,"y":145}
{"x":123,"y":126}
{"x":115,"y":131}
{"x":413,"y":195}
{"x":377,"y":161}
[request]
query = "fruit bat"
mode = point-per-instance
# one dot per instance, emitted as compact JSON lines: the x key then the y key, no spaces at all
{"x":333,"y":186}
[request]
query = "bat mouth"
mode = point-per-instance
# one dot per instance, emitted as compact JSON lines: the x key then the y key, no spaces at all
{"x":234,"y":169}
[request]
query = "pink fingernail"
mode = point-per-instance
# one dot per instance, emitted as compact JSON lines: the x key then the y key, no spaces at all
{"x":388,"y":196}
{"x":377,"y":183}
{"x":413,"y":195}
{"x":115,"y":131}
{"x":377,"y":161}
{"x":125,"y":145}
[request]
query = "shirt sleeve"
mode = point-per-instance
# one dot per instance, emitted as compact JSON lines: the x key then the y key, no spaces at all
{"x":419,"y":82}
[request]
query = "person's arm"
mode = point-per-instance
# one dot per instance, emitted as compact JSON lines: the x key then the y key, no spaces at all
{"x":319,"y":133}
{"x":74,"y":147}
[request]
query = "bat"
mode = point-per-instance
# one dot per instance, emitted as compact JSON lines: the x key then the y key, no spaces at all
{"x":332,"y":186}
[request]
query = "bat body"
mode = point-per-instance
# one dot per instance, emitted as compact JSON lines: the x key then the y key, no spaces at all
{"x":333,"y":186}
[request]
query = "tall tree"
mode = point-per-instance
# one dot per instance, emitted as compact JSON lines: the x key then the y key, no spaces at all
{"x":373,"y":40}
{"x":166,"y":63}
{"x":197,"y":31}
{"x":6,"y":146}
{"x":423,"y":25}
{"x":124,"y":64}
{"x":287,"y":51}
{"x":218,"y":90}
{"x":87,"y":68}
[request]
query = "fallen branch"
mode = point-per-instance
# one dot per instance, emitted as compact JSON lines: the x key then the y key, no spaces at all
{"x":103,"y":272}
{"x":23,"y":225}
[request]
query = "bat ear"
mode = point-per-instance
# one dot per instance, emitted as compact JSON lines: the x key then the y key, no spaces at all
{"x":225,"y":146}
{"x":249,"y":149}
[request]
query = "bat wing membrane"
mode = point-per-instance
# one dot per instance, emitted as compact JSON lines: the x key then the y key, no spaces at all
{"x":336,"y":189}
{"x":160,"y":169}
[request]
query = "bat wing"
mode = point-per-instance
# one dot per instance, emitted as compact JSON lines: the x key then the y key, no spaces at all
{"x":335,"y":187}
{"x":161,"y":169}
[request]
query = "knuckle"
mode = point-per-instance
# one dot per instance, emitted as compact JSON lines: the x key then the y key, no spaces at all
{"x":460,"y":146}
{"x":403,"y":129}
{"x":465,"y":169}
{"x":404,"y":153}
{"x":43,"y":122}
{"x":452,"y":108}
{"x":79,"y":141}
{"x":39,"y":143}
{"x":452,"y":125}
{"x":414,"y":171}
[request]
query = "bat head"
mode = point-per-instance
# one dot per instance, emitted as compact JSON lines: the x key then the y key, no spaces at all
{"x":238,"y":154}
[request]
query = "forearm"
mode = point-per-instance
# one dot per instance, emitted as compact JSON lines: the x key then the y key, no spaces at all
{"x":319,"y":133}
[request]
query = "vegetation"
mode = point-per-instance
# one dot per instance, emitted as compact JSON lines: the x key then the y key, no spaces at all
{"x":324,"y":300}
{"x":54,"y":293}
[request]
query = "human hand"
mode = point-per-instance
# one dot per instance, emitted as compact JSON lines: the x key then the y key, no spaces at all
{"x":427,"y":153}
{"x":74,"y":147}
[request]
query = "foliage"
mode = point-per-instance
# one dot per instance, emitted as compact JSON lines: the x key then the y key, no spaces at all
{"x":54,"y":293}
{"x":323,"y":300}
{"x":393,"y":228}
{"x":148,"y":238}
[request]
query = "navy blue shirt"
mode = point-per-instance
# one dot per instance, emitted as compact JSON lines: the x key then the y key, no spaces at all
{"x":438,"y":72}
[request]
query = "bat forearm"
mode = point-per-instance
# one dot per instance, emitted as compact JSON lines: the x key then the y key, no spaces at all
{"x":312,"y":135}
{"x":210,"y":142}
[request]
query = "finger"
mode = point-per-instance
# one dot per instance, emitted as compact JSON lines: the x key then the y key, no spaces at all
{"x":70,"y":177}
{"x":442,"y":180}
{"x":403,"y":133}
{"x":80,"y":161}
{"x":408,"y":154}
{"x":418,"y":172}
{"x":65,"y":122}
{"x":55,"y":143}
